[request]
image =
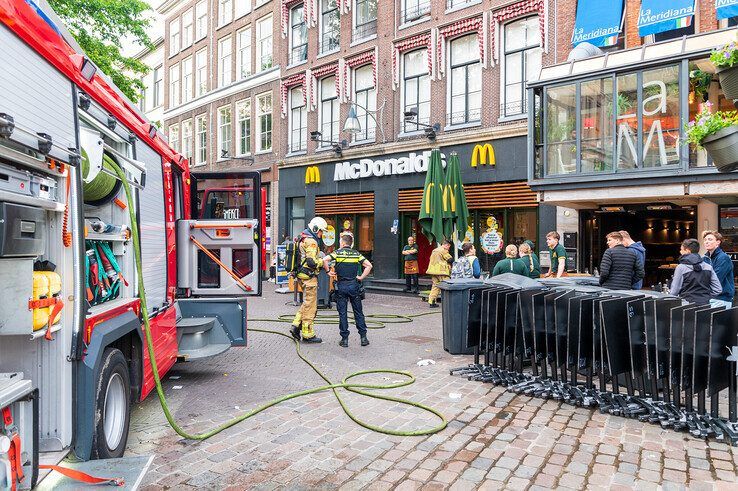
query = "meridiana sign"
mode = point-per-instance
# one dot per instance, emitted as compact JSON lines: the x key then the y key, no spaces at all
{"x":413,"y":163}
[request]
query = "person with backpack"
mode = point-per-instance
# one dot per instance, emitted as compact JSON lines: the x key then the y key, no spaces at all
{"x":620,"y":266}
{"x":467,"y":266}
{"x":532,"y":265}
{"x":306,"y":264}
{"x":723,"y":267}
{"x":694,"y":280}
{"x":511,"y":263}
{"x":439,"y":269}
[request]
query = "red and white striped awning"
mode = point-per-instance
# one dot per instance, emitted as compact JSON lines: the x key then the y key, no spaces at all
{"x":464,"y":26}
{"x":298,"y":79}
{"x":409,"y":44}
{"x":513,"y":11}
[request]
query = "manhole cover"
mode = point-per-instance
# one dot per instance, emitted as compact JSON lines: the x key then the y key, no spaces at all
{"x":416,"y":339}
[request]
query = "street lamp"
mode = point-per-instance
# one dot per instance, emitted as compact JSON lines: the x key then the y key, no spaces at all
{"x":338,"y":147}
{"x":353,"y":125}
{"x":430,"y":129}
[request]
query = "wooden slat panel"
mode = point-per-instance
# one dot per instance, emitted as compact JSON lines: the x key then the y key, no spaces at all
{"x":493,"y":195}
{"x":337,"y":204}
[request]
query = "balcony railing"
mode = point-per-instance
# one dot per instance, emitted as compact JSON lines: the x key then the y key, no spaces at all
{"x":416,"y":11}
{"x":516,"y":108}
{"x":454,"y":4}
{"x":365,"y":30}
{"x":464,"y":117}
{"x":329,"y":41}
{"x":298,"y":54}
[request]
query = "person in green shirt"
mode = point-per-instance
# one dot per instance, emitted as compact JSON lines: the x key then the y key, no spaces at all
{"x":533,"y":267}
{"x":557,"y":254}
{"x":410,"y":259}
{"x":511,"y":263}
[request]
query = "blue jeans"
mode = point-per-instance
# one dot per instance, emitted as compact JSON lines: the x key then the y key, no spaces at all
{"x":348,"y":291}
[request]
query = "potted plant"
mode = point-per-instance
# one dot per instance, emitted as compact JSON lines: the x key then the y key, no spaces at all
{"x":699,"y":82}
{"x":725,"y":60}
{"x":717,"y":133}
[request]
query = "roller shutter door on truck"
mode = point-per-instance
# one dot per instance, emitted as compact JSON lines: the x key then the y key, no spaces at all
{"x":37,"y":96}
{"x":152,"y":227}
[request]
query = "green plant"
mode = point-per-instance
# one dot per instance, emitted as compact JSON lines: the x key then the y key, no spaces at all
{"x":699,"y":82}
{"x":707,"y":123}
{"x":725,"y":57}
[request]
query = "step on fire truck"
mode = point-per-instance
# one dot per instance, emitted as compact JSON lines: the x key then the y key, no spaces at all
{"x":72,"y":353}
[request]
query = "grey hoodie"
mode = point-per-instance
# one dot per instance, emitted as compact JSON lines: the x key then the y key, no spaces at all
{"x":695,"y":280}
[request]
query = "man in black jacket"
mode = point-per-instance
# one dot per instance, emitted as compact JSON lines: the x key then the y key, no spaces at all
{"x":620,"y":266}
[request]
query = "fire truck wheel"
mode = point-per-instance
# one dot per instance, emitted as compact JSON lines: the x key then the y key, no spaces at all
{"x":112,"y":406}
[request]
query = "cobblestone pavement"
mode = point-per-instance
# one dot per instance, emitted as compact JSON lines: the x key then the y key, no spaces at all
{"x":494,"y":439}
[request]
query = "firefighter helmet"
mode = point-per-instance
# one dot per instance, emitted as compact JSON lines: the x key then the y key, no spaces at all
{"x":318,"y":223}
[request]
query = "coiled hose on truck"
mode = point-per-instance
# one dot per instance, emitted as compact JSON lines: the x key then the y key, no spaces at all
{"x":345,"y":384}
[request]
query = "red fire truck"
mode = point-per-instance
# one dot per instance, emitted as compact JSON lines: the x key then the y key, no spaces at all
{"x":72,"y":352}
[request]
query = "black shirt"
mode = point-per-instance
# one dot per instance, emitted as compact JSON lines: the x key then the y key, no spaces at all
{"x":347,"y":262}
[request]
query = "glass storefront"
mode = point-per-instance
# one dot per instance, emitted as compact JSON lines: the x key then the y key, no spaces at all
{"x":492,"y":230}
{"x":360,"y":225}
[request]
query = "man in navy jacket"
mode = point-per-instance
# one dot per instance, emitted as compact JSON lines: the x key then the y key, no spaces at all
{"x":723,"y":266}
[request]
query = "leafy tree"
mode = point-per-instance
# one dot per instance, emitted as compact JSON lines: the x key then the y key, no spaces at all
{"x":98,"y":26}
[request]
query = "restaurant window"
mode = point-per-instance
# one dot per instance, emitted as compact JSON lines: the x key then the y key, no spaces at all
{"x":329,"y":111}
{"x":365,"y":96}
{"x":560,"y":130}
{"x":416,"y":88}
{"x":297,"y":121}
{"x":225,"y":70}
{"x":264,"y":43}
{"x":626,"y":130}
{"x":187,"y":139}
{"x":264,"y":120}
{"x":243,"y":113}
{"x":201,"y":73}
{"x":201,"y":140}
{"x":329,"y":26}
{"x":596,"y":126}
{"x":522,"y":62}
{"x":298,"y":35}
{"x":224,"y":131}
{"x":243,"y":68}
{"x":728,"y":228}
{"x":466,"y":81}
{"x":661,"y":123}
{"x":187,"y":83}
{"x":296,"y":218}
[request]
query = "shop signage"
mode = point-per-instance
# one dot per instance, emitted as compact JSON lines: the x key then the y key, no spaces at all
{"x":413,"y":163}
{"x":312,"y":174}
{"x":282,"y":273}
{"x":483,"y":154}
{"x":329,"y":236}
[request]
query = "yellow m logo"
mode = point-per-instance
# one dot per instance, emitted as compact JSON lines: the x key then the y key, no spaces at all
{"x":481,"y":153}
{"x":312,"y":174}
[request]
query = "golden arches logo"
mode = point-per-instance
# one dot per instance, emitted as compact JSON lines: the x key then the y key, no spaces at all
{"x":312,"y":174}
{"x":483,"y":154}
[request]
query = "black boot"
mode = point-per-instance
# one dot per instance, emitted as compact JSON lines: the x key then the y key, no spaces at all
{"x":295,"y":331}
{"x":343,"y":343}
{"x":364,"y":340}
{"x":313,"y":340}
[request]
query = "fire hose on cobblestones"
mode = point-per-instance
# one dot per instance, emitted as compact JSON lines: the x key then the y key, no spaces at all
{"x":345,"y":384}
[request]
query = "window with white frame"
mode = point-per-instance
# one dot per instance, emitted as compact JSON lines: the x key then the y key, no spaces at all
{"x":225,"y":131}
{"x":201,"y":140}
{"x":201,"y":20}
{"x":329,"y":110}
{"x":465,"y":81}
{"x":174,"y":37}
{"x":264,"y":120}
{"x":365,"y":97}
{"x":298,"y":35}
{"x":415,"y":9}
{"x":201,"y":72}
{"x":158,"y":82}
{"x":243,"y":59}
{"x":242,"y":7}
{"x":187,"y":80}
{"x":174,"y":86}
{"x":188,"y":28}
{"x":187,"y":139}
{"x":522,"y":61}
{"x":243,"y":113}
{"x":297,"y":121}
{"x":264,"y":43}
{"x":416,"y":88}
{"x":174,"y":136}
{"x":365,"y":19}
{"x":330,"y":26}
{"x":225,"y":55}
{"x":225,"y":12}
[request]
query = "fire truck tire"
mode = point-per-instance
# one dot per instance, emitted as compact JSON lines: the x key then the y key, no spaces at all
{"x":112,"y":406}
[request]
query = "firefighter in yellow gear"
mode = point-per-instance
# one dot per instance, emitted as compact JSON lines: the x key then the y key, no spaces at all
{"x":311,"y":263}
{"x":439,"y":268}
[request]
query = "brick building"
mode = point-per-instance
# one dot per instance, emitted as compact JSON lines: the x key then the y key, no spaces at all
{"x":221,"y":86}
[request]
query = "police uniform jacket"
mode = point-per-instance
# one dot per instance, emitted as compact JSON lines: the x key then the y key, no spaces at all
{"x":347,"y":262}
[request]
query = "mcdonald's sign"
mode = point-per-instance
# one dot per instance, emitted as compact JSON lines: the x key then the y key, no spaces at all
{"x":312,"y":174}
{"x":483,"y":155}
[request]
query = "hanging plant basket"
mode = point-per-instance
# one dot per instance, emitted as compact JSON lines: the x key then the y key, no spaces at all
{"x":729,"y":82}
{"x":722,"y":146}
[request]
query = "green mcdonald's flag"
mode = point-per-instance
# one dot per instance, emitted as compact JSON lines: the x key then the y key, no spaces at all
{"x":432,"y":212}
{"x":455,"y":198}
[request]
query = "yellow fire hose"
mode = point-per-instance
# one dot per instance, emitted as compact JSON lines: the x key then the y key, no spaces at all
{"x":345,"y":384}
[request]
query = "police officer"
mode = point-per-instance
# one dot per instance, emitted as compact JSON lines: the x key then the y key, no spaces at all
{"x":310,"y":249}
{"x":348,"y":286}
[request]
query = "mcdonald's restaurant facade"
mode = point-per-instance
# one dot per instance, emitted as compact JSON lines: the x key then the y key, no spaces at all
{"x":378,"y":199}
